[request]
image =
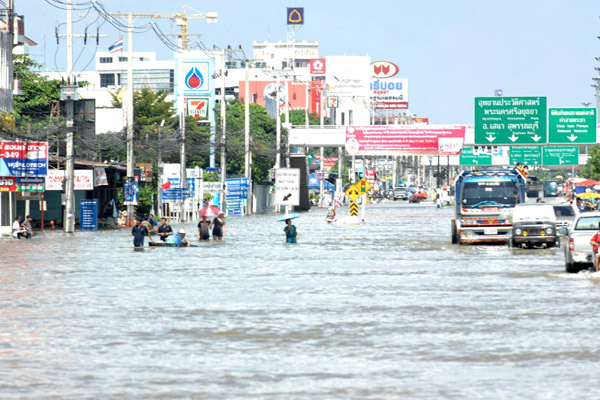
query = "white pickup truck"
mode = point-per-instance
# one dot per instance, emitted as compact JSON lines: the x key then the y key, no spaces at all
{"x":578,"y":252}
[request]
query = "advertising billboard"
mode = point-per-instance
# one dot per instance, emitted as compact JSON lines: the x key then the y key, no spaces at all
{"x":404,"y":140}
{"x":389,"y":93}
{"x":317,"y":66}
{"x":23,"y":158}
{"x":83,"y":179}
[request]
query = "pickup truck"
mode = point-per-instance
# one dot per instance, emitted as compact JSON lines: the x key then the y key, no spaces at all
{"x":578,"y":252}
{"x":534,"y":225}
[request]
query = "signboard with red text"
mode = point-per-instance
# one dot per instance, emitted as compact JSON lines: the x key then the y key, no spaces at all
{"x":404,"y":140}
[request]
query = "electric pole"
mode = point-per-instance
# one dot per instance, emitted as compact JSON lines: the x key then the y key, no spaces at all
{"x":71,"y":96}
{"x":223,"y":133}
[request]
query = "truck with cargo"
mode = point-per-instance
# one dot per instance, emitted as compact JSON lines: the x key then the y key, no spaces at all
{"x":484,"y":205}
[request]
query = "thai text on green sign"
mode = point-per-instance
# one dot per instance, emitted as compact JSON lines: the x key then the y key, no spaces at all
{"x":510,"y":120}
{"x":572,"y":125}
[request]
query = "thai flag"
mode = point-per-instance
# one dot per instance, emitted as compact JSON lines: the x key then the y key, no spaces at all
{"x":116,"y":46}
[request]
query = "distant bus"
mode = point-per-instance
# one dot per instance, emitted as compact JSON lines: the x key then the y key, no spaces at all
{"x":550,"y":189}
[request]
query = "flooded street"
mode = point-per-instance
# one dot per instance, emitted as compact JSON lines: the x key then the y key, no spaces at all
{"x":386,"y":309}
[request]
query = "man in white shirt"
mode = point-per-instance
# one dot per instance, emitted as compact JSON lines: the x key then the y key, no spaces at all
{"x":17,"y":229}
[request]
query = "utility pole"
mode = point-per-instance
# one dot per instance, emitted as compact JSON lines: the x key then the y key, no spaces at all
{"x":69,"y":217}
{"x":223,"y":134}
{"x":71,"y":90}
{"x":278,"y":137}
{"x":182,"y":165}
{"x":130,"y":111}
{"x":248,"y":154}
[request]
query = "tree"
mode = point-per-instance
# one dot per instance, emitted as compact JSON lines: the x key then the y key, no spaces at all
{"x":38,"y":91}
{"x":298,"y":117}
{"x":262,"y":140}
{"x":591,"y":169}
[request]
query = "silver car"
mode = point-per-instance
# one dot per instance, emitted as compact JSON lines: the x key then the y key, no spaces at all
{"x":578,"y":251}
{"x":565,"y":213}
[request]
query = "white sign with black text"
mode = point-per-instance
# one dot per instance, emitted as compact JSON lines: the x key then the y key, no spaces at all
{"x":287,"y":186}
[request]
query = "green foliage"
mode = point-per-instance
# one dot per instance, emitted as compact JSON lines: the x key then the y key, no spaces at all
{"x":345,"y":175}
{"x":262,"y":140}
{"x":145,"y":199}
{"x":33,"y":106}
{"x":212,"y":176}
{"x":298,"y":117}
{"x":591,"y":169}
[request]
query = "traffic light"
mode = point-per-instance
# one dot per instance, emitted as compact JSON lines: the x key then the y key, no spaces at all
{"x":362,"y":186}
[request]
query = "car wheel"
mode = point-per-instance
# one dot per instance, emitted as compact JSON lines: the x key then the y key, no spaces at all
{"x":571,"y":268}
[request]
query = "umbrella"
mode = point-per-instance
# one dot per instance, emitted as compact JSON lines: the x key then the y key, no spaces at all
{"x":588,"y":195}
{"x":209,"y":211}
{"x":288,"y":216}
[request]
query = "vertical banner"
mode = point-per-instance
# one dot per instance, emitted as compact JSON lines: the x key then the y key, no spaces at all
{"x":88,"y":217}
{"x":130,"y":191}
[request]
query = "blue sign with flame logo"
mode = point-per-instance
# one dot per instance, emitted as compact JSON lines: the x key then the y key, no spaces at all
{"x":194,"y":79}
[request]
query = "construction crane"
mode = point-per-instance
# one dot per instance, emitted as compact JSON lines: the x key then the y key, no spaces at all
{"x":181,"y":20}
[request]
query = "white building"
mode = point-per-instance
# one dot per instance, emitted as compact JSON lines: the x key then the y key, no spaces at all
{"x":281,"y":55}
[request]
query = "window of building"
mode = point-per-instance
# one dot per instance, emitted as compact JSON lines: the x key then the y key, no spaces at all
{"x":107,"y":80}
{"x":106,"y":60}
{"x":122,"y":59}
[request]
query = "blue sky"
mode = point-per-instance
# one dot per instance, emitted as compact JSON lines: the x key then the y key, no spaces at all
{"x":451,"y":51}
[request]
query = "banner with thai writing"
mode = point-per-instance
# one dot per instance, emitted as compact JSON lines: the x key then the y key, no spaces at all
{"x":83,"y":179}
{"x":23,"y":158}
{"x":404,"y":140}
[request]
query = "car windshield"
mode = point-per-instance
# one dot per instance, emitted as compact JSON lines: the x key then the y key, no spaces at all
{"x":490,"y":193}
{"x":533,"y":212}
{"x":587,"y":224}
{"x":564,"y":211}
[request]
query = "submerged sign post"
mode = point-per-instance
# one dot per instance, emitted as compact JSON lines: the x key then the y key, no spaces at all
{"x":287,"y":186}
{"x":510,"y":120}
{"x":89,"y":215}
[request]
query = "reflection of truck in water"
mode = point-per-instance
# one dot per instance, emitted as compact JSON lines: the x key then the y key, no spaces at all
{"x":484,"y":205}
{"x":534,"y":187}
{"x":550,"y":189}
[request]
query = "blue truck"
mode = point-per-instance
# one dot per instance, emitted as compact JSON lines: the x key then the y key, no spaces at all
{"x":485,"y":201}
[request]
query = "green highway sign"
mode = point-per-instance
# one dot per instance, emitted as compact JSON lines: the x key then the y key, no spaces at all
{"x":526,"y":155}
{"x":468,"y":157}
{"x":510,"y":120}
{"x":572,"y":125}
{"x":561,"y":155}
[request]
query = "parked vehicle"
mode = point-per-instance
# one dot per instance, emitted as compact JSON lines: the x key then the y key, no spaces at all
{"x":484,"y":205}
{"x":534,"y":225}
{"x":400,"y":193}
{"x":578,"y":252}
{"x":565,"y":213}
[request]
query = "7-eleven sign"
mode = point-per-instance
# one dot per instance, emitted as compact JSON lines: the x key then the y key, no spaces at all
{"x":197,"y":106}
{"x":333,"y":102}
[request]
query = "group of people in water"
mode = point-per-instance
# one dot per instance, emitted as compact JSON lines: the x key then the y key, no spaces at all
{"x":22,"y":228}
{"x":149,"y":226}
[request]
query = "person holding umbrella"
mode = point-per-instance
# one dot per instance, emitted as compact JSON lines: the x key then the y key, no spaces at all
{"x":204,"y":225}
{"x":291,"y":233}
